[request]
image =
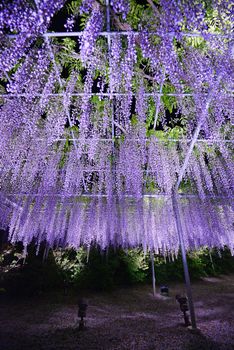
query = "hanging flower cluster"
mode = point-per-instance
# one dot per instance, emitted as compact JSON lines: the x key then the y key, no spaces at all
{"x":176,"y":13}
{"x":28,"y":21}
{"x":120,"y":6}
{"x":148,"y":223}
{"x":90,"y":34}
{"x":110,"y":130}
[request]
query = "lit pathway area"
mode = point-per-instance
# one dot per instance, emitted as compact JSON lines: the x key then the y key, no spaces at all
{"x":129,"y":318}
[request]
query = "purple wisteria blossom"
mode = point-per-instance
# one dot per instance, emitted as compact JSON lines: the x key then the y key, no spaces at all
{"x":93,"y":139}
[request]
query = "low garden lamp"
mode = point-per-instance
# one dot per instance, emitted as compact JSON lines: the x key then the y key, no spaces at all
{"x":183,"y":303}
{"x":82,"y":308}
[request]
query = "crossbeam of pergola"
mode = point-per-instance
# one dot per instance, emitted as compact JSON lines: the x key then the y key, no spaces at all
{"x":129,"y":32}
{"x":108,"y":94}
{"x":156,"y":140}
{"x":101,"y":195}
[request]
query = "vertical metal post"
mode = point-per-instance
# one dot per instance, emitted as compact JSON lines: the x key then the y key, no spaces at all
{"x":175,"y":202}
{"x":196,"y":134}
{"x":108,"y":29}
{"x":184,"y":259}
{"x":159,"y":98}
{"x":153,"y":273}
{"x":211,"y":260}
{"x":108,"y":21}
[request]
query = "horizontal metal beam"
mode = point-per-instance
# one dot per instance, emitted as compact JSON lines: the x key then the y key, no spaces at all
{"x":110,"y":94}
{"x":135,"y":33}
{"x":105,"y":94}
{"x":184,"y":140}
{"x":97,"y":195}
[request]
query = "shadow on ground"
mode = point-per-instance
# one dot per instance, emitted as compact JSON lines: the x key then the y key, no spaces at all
{"x":124,"y":319}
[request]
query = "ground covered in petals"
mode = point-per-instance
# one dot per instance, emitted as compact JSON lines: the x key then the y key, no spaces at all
{"x":128,"y":318}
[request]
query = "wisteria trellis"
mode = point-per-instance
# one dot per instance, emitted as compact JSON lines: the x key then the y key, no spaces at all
{"x":81,"y":158}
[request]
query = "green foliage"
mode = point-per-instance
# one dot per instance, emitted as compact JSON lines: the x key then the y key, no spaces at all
{"x":65,"y":153}
{"x":203,"y":262}
{"x":70,"y":263}
{"x":99,"y":103}
{"x":169,"y":102}
{"x":166,"y":271}
{"x":28,"y":276}
{"x":101,"y":270}
{"x":10,"y":259}
{"x":196,"y":42}
{"x":136,"y":264}
{"x":134,"y":120}
{"x":215,"y":21}
{"x":104,"y":270}
{"x":151,"y":110}
{"x":67,"y":56}
{"x":175,"y":133}
{"x":135,"y":14}
{"x":73,"y":7}
{"x":150,"y":185}
{"x":223,"y":261}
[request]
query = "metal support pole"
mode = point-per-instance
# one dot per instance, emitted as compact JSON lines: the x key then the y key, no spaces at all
{"x":195,"y":135}
{"x":211,"y":260}
{"x":113,"y":123}
{"x":159,"y":98}
{"x":175,"y":204}
{"x":153,"y":273}
{"x":108,"y":28}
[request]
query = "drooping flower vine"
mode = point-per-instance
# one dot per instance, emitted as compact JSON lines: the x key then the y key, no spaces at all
{"x":28,"y":21}
{"x":127,"y":223}
{"x":93,"y":133}
{"x":90,"y":34}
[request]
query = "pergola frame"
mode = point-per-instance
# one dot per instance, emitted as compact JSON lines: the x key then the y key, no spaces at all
{"x":122,"y":32}
{"x":174,"y":195}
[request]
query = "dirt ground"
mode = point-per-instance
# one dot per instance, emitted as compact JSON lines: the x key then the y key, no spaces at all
{"x":123,"y":319}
